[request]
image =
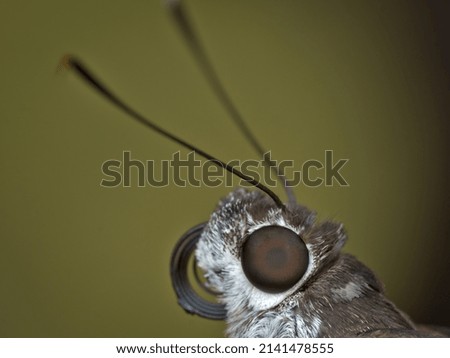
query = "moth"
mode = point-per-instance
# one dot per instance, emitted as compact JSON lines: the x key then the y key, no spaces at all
{"x":276,"y":270}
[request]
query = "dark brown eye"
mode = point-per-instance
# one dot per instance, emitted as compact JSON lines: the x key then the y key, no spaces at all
{"x":274,"y":258}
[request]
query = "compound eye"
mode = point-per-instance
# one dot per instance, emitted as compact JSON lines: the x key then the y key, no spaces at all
{"x":274,"y":258}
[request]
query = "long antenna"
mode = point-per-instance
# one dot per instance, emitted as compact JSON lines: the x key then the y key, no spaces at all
{"x":187,"y":30}
{"x":71,"y":62}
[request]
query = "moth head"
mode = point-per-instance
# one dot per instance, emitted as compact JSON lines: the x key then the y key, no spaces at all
{"x":256,"y":255}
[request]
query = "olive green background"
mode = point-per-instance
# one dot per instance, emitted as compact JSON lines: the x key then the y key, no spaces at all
{"x":367,"y":79}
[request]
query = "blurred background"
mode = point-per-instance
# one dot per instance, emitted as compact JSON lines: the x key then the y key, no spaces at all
{"x":367,"y":79}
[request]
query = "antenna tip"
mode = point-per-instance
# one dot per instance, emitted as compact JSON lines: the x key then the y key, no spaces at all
{"x":171,"y":4}
{"x":65,"y":63}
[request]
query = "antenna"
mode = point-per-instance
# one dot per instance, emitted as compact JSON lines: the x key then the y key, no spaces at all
{"x":187,"y":30}
{"x":81,"y":70}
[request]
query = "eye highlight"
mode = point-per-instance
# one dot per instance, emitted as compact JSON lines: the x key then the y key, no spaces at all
{"x":274,"y":258}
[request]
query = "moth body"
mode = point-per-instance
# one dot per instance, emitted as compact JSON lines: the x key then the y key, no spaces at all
{"x":338,"y":296}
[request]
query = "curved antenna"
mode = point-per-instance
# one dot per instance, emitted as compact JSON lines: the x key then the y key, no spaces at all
{"x":71,"y":62}
{"x":191,"y":38}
